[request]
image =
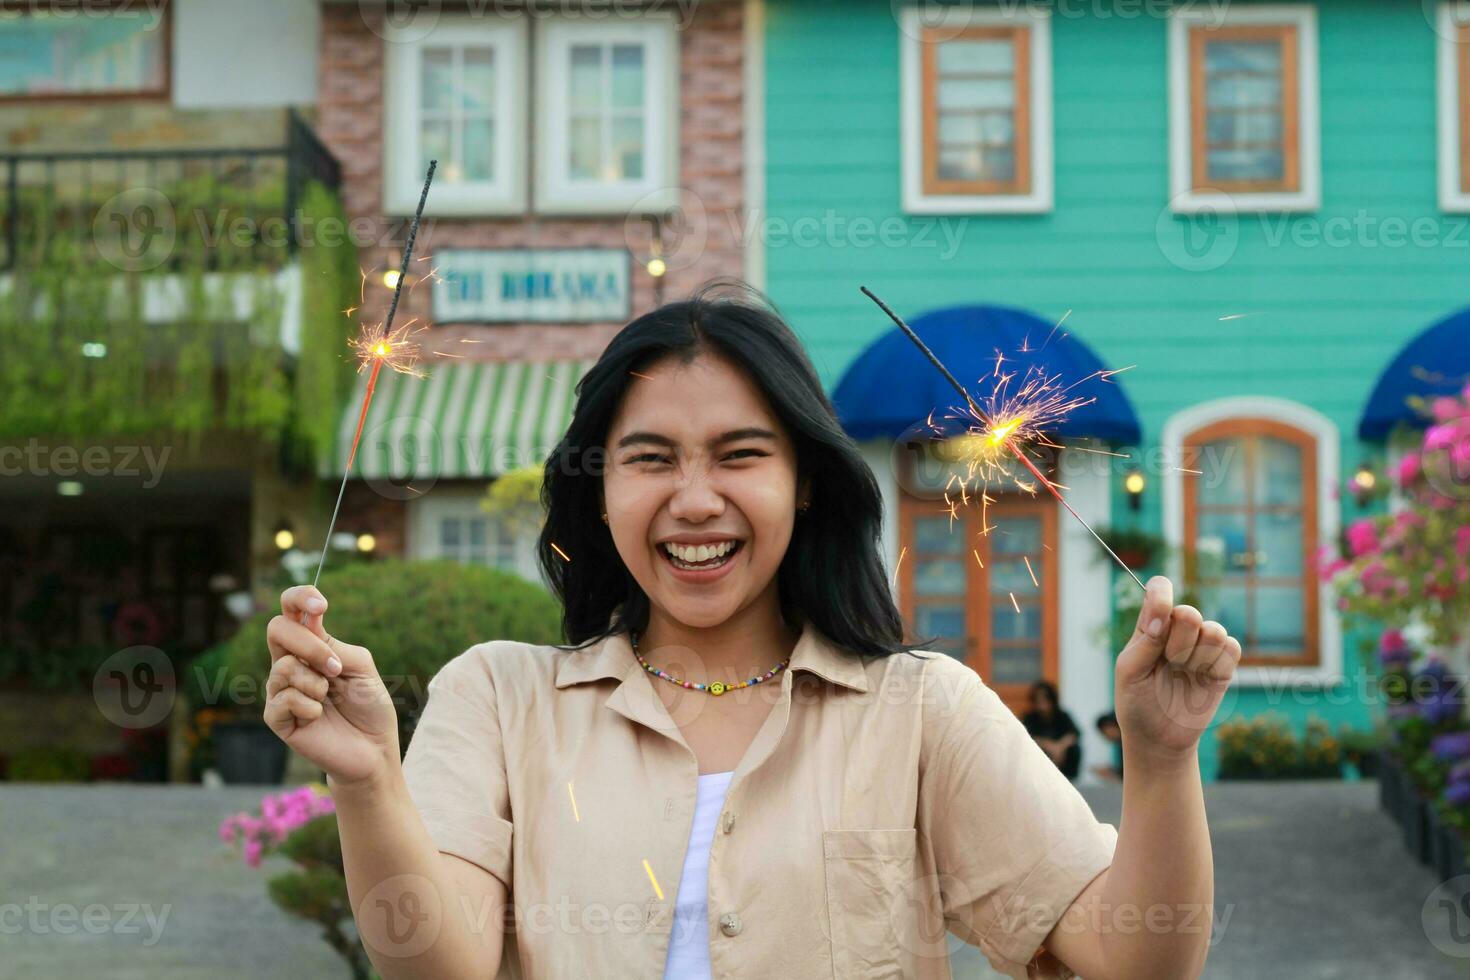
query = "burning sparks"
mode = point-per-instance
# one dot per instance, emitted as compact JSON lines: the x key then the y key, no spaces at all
{"x":1009,"y":422}
{"x":573,"y":796}
{"x":1031,"y":570}
{"x":564,"y":556}
{"x":380,"y":346}
{"x":656,"y":890}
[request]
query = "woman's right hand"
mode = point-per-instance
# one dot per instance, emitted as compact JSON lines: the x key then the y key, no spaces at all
{"x":324,"y":698}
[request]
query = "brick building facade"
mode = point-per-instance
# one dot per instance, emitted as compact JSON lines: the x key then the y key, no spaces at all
{"x":700,"y":211}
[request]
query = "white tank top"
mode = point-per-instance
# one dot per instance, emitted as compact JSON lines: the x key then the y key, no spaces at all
{"x":689,"y":940}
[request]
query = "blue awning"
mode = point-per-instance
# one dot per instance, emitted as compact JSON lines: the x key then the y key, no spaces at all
{"x":1433,"y":364}
{"x":891,"y":386}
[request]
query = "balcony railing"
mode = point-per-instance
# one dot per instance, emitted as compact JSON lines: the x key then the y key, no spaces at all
{"x":216,"y":208}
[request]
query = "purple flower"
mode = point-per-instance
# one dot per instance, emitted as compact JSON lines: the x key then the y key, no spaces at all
{"x":1451,"y":746}
{"x":1457,"y":793}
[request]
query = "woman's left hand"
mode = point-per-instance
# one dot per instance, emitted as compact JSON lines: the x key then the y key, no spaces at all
{"x":1170,"y":678}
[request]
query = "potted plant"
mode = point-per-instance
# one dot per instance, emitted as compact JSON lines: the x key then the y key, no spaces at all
{"x":1135,"y":548}
{"x":301,"y":824}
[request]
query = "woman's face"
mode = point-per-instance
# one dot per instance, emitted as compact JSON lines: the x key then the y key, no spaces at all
{"x":1041,"y":700}
{"x":698,"y":460}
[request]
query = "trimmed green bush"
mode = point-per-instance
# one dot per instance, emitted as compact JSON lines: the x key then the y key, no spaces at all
{"x":414,"y":616}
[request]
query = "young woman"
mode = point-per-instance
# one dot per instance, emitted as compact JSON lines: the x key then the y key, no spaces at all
{"x":738,"y":768}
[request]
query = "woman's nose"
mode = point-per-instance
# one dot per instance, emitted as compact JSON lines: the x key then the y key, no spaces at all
{"x":696,"y":501}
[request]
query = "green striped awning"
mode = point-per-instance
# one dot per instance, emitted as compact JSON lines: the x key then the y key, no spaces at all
{"x":466,"y":419}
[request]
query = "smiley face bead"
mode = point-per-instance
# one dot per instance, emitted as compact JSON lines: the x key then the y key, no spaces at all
{"x":717,"y":688}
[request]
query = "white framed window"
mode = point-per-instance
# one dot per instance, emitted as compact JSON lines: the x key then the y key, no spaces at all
{"x":456,"y":95}
{"x":1244,"y":131}
{"x":1453,"y":29}
{"x":1245,"y":529}
{"x":448,"y":523}
{"x":607,"y":114}
{"x":975,"y":110}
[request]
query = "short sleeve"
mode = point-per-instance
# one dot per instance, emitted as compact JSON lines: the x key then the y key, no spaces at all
{"x":1013,"y":841}
{"x":455,"y":766}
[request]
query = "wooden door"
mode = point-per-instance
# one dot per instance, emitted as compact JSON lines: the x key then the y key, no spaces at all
{"x":984,"y":583}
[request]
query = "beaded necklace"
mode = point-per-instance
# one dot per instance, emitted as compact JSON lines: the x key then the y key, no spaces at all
{"x":717,"y":688}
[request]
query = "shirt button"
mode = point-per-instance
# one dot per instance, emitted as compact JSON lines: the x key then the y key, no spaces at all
{"x":729,"y":821}
{"x":730,"y":924}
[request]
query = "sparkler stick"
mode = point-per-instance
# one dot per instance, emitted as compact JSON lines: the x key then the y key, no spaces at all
{"x":379,"y":345}
{"x":1004,"y":432}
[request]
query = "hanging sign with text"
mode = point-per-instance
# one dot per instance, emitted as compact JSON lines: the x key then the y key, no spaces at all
{"x":582,"y":285}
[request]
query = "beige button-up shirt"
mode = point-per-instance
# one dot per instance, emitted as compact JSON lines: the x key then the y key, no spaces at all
{"x":884,"y":802}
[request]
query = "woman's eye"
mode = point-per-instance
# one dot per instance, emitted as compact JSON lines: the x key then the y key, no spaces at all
{"x":753,"y":452}
{"x":647,"y":457}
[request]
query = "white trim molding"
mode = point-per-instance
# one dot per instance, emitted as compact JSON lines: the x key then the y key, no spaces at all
{"x":1085,"y":606}
{"x":658,"y":189}
{"x":1328,"y":439}
{"x":403,"y":174}
{"x":1184,"y":197}
{"x":1452,"y":16}
{"x":912,"y":23}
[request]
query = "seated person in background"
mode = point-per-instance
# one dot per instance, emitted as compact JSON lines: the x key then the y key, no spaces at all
{"x":1107,"y":724}
{"x":1053,"y":729}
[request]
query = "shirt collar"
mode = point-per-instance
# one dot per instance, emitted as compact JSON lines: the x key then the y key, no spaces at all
{"x":612,"y":657}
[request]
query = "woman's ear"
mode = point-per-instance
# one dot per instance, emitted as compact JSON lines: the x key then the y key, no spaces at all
{"x":804,"y":491}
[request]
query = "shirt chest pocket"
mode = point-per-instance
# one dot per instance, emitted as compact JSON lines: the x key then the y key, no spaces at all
{"x":871,"y":913}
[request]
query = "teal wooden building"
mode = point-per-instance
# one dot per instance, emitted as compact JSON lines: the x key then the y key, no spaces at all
{"x":1261,"y":209}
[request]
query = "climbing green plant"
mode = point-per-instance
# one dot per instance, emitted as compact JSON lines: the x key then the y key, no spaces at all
{"x":215,"y":360}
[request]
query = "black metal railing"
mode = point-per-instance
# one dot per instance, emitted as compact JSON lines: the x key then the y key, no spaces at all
{"x":216,"y":208}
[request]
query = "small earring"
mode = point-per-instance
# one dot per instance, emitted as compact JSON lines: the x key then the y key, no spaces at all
{"x":604,"y":517}
{"x":805,"y":505}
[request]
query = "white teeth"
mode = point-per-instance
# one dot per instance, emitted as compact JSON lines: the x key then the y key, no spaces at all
{"x":699,"y":553}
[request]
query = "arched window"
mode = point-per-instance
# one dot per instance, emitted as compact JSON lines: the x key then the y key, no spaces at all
{"x":1250,"y":534}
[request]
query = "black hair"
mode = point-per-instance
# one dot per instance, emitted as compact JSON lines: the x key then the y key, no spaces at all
{"x":1049,"y":688}
{"x":831,"y":574}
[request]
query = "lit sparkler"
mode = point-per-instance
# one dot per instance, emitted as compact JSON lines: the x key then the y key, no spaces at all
{"x":379,"y":345}
{"x":1011,"y":418}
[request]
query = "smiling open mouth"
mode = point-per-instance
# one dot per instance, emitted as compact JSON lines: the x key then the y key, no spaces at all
{"x":700,"y":557}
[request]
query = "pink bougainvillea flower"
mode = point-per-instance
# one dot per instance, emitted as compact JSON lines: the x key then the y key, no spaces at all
{"x":1439,"y":437}
{"x":1362,"y":537}
{"x":1409,"y":469}
{"x":1444,"y":409}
